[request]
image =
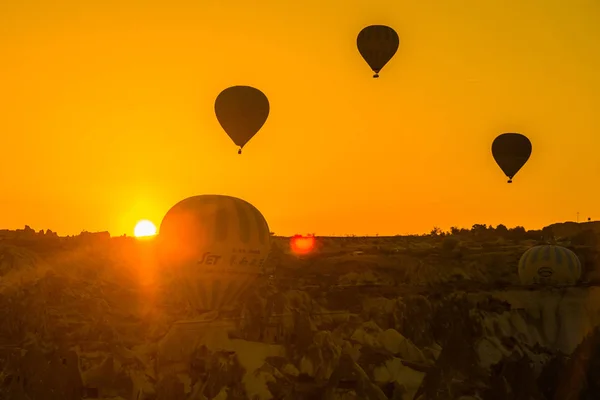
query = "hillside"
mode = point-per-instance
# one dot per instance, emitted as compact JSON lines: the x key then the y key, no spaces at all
{"x":438,"y":316}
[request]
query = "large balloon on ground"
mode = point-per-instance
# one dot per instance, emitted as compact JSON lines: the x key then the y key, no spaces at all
{"x":377,"y":44}
{"x":241,"y":111}
{"x":214,"y":246}
{"x":549,"y":265}
{"x":511,"y":151}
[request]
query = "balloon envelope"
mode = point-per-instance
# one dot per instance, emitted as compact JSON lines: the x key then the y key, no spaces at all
{"x":241,"y":111}
{"x":511,"y":151}
{"x":377,"y":44}
{"x":549,"y":265}
{"x":214,"y":246}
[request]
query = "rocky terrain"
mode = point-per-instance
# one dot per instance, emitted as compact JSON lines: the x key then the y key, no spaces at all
{"x":438,"y":316}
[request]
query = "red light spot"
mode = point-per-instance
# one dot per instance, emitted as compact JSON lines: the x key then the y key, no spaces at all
{"x":302,"y":244}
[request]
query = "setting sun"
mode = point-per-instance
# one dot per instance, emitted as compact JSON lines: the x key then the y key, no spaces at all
{"x":144,"y":228}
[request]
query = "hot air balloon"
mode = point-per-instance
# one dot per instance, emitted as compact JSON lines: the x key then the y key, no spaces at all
{"x":241,"y":111}
{"x":511,"y":151}
{"x":549,"y":265}
{"x":377,"y":44}
{"x":214,"y":247}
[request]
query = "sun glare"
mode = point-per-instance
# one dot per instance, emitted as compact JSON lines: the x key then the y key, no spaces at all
{"x":144,"y":228}
{"x":302,"y":244}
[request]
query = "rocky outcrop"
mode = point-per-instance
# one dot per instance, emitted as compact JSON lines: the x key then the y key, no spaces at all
{"x":425,"y":324}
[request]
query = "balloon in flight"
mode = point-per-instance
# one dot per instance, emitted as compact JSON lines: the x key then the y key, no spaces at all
{"x":549,"y":265}
{"x":511,"y":151}
{"x":377,"y":44}
{"x":241,"y":111}
{"x":214,"y":247}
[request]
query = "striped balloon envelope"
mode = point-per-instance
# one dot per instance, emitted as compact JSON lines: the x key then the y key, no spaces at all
{"x":214,"y":247}
{"x":549,"y":265}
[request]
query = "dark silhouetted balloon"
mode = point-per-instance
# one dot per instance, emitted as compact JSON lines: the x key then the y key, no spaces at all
{"x":511,"y":151}
{"x":241,"y":111}
{"x":377,"y":44}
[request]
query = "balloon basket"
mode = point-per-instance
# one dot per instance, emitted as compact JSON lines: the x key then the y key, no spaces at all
{"x":376,"y":76}
{"x":509,"y":181}
{"x":184,"y":337}
{"x":177,"y":348}
{"x":240,"y":151}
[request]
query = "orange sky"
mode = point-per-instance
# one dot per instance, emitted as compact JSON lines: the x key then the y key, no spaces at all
{"x":106,"y":112}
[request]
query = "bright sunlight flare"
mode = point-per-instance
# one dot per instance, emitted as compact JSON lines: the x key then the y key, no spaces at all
{"x":144,"y":228}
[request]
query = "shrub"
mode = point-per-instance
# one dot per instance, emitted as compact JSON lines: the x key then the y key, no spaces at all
{"x":450,"y":243}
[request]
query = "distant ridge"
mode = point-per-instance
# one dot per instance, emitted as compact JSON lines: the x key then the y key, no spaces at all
{"x":559,"y":229}
{"x":570,"y":228}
